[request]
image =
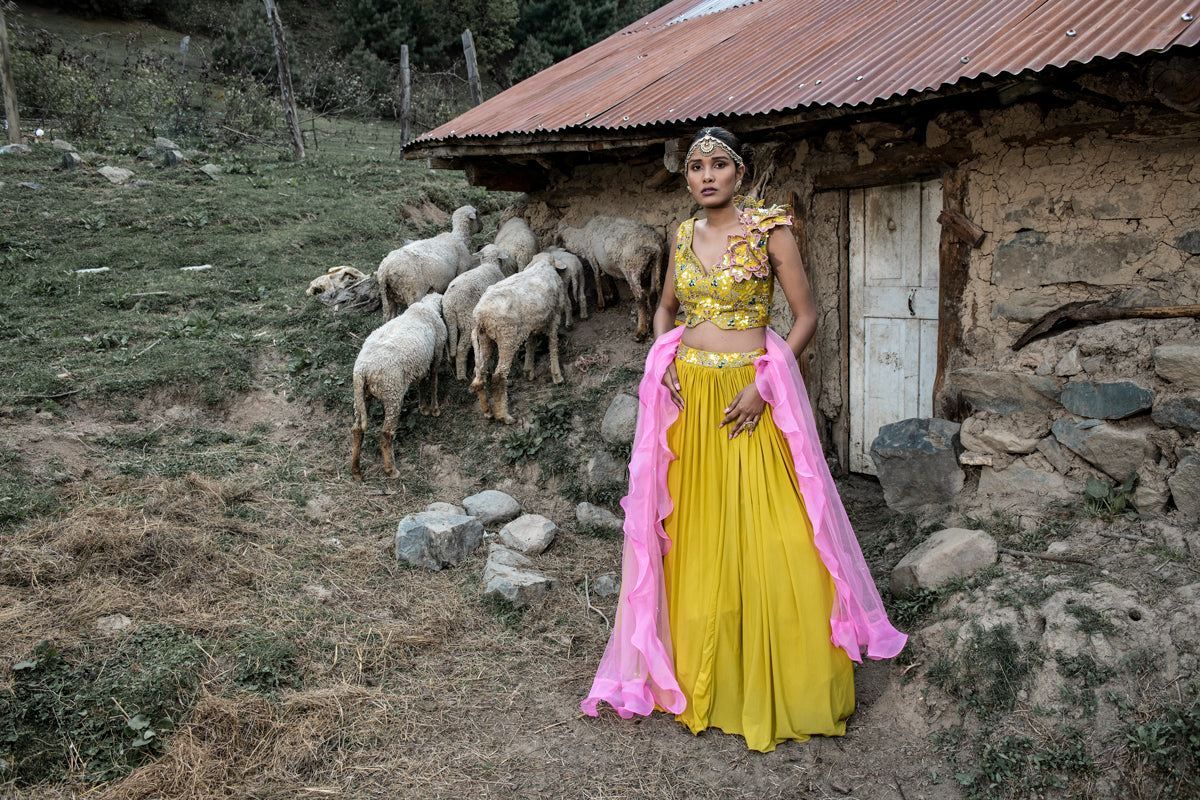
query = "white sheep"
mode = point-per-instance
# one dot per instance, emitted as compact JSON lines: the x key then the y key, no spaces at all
{"x":570,"y":268}
{"x":460,"y":299}
{"x":622,"y":248}
{"x":517,"y":240}
{"x":397,"y":354}
{"x":334,"y":279}
{"x":427,"y":265}
{"x":509,"y":313}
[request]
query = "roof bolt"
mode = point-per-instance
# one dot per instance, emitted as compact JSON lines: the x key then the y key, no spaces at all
{"x":801,"y":86}
{"x":1187,"y":17}
{"x":1071,"y":32}
{"x":965,"y":59}
{"x":859,"y":78}
{"x":625,"y":118}
{"x":817,"y":82}
{"x":730,"y":97}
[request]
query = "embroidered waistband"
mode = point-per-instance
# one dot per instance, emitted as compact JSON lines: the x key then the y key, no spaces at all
{"x":703,"y":358}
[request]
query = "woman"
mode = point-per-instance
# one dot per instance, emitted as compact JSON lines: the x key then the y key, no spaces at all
{"x":745,"y":595}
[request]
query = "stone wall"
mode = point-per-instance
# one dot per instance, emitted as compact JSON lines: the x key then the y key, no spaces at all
{"x":1081,"y":201}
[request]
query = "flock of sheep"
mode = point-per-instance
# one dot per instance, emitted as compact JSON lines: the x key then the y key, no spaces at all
{"x":502,"y":296}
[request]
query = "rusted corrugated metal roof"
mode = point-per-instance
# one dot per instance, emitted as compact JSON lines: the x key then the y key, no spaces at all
{"x":698,"y":58}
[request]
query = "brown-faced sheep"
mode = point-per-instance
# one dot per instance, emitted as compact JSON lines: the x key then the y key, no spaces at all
{"x":428,"y":265}
{"x":460,"y":299}
{"x":621,"y":248}
{"x":509,"y":313}
{"x":396,"y":355}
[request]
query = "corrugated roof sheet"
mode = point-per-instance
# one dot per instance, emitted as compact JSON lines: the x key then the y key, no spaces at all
{"x":697,"y":58}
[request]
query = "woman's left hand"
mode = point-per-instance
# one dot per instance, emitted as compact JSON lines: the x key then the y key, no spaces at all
{"x":744,"y":412}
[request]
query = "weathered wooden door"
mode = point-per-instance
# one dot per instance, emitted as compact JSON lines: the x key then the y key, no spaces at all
{"x":893,"y":309}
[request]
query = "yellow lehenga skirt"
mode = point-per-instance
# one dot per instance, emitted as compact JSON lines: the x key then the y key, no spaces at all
{"x":748,"y":596}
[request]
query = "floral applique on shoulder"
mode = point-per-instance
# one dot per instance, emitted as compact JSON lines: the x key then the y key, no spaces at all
{"x":746,"y":253}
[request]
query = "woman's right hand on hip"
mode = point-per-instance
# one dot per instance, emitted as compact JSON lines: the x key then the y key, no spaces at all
{"x":671,"y":381}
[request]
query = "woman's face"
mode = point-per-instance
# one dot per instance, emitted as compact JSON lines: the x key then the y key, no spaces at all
{"x":712,"y":178}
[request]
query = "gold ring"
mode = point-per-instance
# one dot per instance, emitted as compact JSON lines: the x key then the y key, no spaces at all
{"x":750,"y":423}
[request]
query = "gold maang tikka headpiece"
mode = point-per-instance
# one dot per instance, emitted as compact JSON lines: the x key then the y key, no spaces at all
{"x":707,"y":144}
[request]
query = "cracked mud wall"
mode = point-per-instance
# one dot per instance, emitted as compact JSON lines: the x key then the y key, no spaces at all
{"x":1079,"y":202}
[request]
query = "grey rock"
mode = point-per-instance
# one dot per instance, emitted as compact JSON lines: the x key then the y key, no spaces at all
{"x":1054,"y":453}
{"x":173,"y":158}
{"x":969,"y":458}
{"x":944,"y":556}
{"x":1005,"y":392}
{"x":63,"y":145}
{"x":492,"y":507}
{"x":620,"y":420}
{"x":117,"y":175}
{"x":1185,"y":486}
{"x":916,"y":461}
{"x":30,"y":185}
{"x":607,"y":585}
{"x":1032,"y":258}
{"x":15,"y":149}
{"x":588,"y":514}
{"x":163,"y":143}
{"x":72,"y":160}
{"x":1118,"y":452}
{"x":1179,"y":364}
{"x":212,"y":171}
{"x":1016,"y":433}
{"x":111,"y":624}
{"x":435,"y":541}
{"x":1021,"y":481}
{"x":530,"y":534}
{"x":1094,"y":363}
{"x":1115,"y":400}
{"x":446,"y":508}
{"x":1069,"y":364}
{"x":148,"y":154}
{"x":606,"y":468}
{"x":506,"y":575}
{"x":1024,"y":306}
{"x":1189,"y":242}
{"x":1180,"y":412}
{"x":1152,"y":493}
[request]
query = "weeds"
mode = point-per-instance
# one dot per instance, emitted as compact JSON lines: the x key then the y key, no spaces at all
{"x":1110,"y":500}
{"x":987,"y":673}
{"x":1168,"y":746}
{"x":1089,"y":620}
{"x":106,"y":709}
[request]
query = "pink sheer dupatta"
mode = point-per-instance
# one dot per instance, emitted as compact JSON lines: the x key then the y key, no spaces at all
{"x":636,"y":672}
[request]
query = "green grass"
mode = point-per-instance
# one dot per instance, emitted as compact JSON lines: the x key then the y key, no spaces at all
{"x":267,"y":230}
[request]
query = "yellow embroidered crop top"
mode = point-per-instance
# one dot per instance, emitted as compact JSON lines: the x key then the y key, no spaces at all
{"x":737,"y":294}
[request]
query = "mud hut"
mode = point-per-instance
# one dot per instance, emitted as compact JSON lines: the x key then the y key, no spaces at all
{"x":998,"y":204}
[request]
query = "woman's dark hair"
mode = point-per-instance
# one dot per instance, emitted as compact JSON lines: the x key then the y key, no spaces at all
{"x":731,"y":141}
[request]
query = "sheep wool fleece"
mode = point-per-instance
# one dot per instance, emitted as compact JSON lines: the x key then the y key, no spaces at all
{"x":637,"y":671}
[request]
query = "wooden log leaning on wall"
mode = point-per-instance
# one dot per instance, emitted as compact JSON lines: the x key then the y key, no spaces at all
{"x":959,"y":235}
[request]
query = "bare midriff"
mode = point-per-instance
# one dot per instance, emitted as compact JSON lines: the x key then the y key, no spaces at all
{"x":714,"y":339}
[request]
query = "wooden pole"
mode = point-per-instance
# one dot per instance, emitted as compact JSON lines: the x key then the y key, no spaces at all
{"x":10,"y":89}
{"x":405,"y":95}
{"x":285,"y":79}
{"x":472,"y":66}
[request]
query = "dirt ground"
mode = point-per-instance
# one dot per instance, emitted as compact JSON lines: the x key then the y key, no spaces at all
{"x":413,"y":686}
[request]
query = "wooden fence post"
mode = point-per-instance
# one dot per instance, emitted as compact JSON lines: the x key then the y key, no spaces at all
{"x":285,"y":79}
{"x":10,"y":90}
{"x":472,"y":66}
{"x":405,"y":95}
